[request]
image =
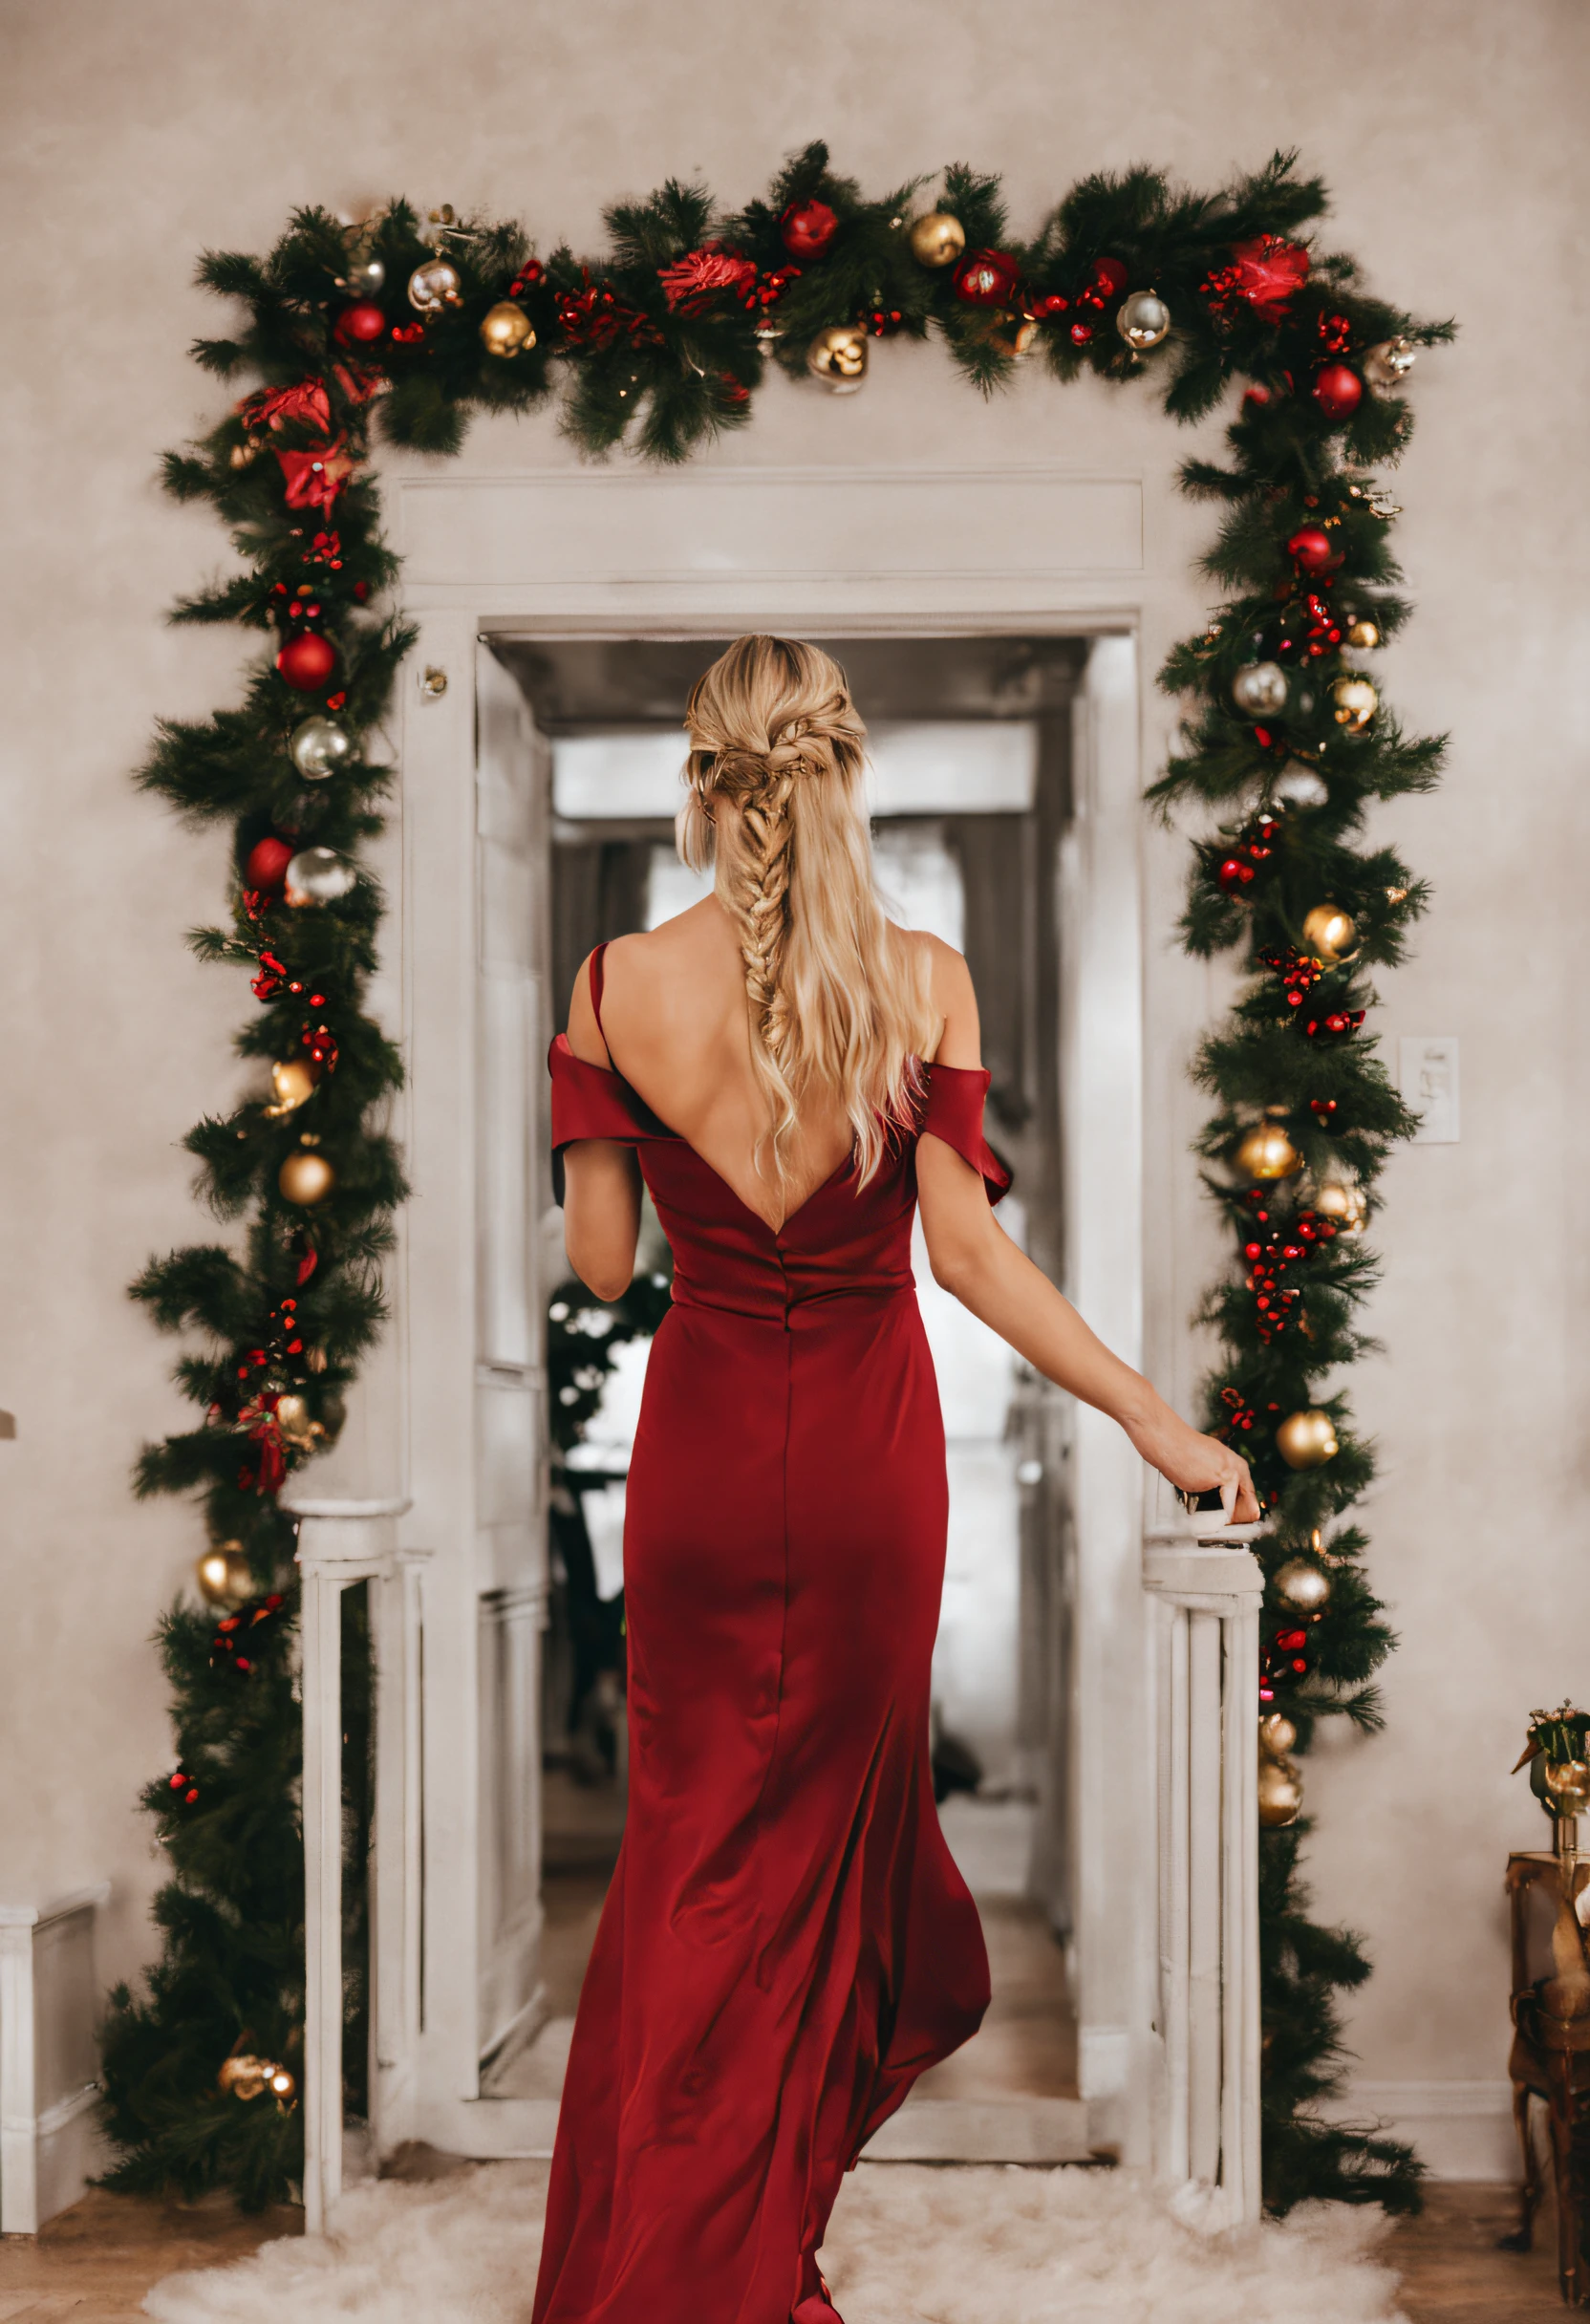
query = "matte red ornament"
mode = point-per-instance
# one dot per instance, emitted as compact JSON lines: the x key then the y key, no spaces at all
{"x":986,"y":278}
{"x":1109,"y":276}
{"x":268,"y":861}
{"x":1312,"y":548}
{"x":306,"y":662}
{"x":359,"y":325}
{"x":1337,"y":390}
{"x":807,"y":229}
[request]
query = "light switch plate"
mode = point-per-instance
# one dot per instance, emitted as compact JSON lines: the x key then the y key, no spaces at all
{"x":1427,"y":1078}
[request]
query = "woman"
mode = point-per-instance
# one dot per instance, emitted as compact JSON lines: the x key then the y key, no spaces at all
{"x":787,"y":1944}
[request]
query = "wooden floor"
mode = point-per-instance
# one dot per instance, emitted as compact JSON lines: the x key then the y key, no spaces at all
{"x":94,"y":2264}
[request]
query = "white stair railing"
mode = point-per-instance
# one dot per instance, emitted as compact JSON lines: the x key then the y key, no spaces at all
{"x":1205,"y":1590}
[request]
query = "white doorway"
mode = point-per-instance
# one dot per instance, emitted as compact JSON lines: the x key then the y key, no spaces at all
{"x":470,"y":1400}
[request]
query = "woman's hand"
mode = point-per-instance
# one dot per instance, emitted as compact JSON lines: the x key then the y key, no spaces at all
{"x":1198,"y":1464}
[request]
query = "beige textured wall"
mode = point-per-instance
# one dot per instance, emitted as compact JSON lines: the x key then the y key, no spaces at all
{"x":136,"y":134}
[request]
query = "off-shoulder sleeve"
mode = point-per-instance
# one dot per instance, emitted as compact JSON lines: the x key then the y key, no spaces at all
{"x":590,"y":1102}
{"x":952,"y":1110}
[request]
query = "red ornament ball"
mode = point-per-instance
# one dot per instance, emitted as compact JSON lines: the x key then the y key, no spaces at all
{"x":1311,"y":546}
{"x":1337,"y":390}
{"x":306,"y":662}
{"x":986,"y":278}
{"x":267,"y":863}
{"x":1109,"y":276}
{"x":807,"y":229}
{"x":360,"y":324}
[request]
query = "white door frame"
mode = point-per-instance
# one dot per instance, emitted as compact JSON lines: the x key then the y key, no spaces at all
{"x":716,"y":552}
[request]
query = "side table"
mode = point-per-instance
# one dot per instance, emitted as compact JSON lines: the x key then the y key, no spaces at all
{"x":1549,"y":2060}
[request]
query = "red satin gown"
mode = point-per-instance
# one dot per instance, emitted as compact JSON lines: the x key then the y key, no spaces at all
{"x":786,"y":1943}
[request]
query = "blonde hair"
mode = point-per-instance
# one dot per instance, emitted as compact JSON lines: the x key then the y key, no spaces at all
{"x":838,"y":996}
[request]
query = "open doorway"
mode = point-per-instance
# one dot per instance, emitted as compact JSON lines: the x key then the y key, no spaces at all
{"x":972,"y":748}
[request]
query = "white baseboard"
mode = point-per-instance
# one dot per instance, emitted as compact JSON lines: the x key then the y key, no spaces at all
{"x":1460,"y":2130}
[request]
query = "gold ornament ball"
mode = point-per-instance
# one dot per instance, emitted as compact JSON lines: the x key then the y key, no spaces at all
{"x":937,"y":240}
{"x":222,"y":1574}
{"x":281,"y":2084}
{"x":1277,"y":1733}
{"x":434,"y":285}
{"x":292,"y":1418}
{"x":292,"y":1082}
{"x":1362,"y":631}
{"x":1268,"y":1152}
{"x":1260,"y":690}
{"x":1344,"y":1200}
{"x":305,"y":1178}
{"x":1568,"y":1781}
{"x":1013,"y":334}
{"x":507,"y":329}
{"x":243,"y":2077}
{"x":1329,"y":933}
{"x":838,"y":356}
{"x":1307,"y":1440}
{"x":1302,"y":1586}
{"x":1280,"y":1793}
{"x":1143,"y":319}
{"x":1386,"y":366}
{"x":1355,"y":700}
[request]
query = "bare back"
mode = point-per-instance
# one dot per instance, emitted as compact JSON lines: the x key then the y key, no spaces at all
{"x":674,"y":1024}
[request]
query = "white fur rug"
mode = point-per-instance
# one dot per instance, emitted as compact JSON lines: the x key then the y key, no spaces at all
{"x":907,"y":2246}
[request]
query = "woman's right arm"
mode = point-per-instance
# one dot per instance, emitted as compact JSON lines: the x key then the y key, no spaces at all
{"x":974,"y":1257}
{"x":601,"y":1177}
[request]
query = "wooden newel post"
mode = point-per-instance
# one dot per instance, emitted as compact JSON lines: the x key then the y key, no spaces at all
{"x":339,"y":1543}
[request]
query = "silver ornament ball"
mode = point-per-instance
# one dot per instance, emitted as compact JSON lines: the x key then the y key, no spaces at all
{"x":1259,"y":691}
{"x":318,"y":748}
{"x":365,"y":278}
{"x":1386,"y":366}
{"x":1300,"y":786}
{"x":434,"y":285}
{"x":318,"y":875}
{"x":1143,"y":319}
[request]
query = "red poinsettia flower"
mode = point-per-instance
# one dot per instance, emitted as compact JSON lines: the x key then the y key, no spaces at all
{"x":689,"y":280}
{"x":273,"y":406}
{"x":1268,"y":271}
{"x":314,"y":479}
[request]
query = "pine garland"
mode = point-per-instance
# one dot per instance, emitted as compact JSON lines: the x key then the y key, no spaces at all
{"x":662,"y":345}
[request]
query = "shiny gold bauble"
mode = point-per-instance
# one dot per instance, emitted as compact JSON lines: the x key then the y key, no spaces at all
{"x":506,"y":328}
{"x":281,"y":2084}
{"x":1266,"y":1152}
{"x":1011,"y":334}
{"x":1344,"y":1200}
{"x":937,"y":240}
{"x":1386,"y":366}
{"x":293,"y":1419}
{"x":222,"y":1574}
{"x":305,"y":1178}
{"x":292,"y":1082}
{"x":838,"y":357}
{"x":1143,"y":319}
{"x":244,"y":2076}
{"x":1329,"y":933}
{"x":434,"y":285}
{"x":1364,"y":633}
{"x":1307,"y":1440}
{"x":1277,"y":1733}
{"x":1355,"y":700}
{"x":1568,"y":1781}
{"x":1302,"y":1586}
{"x":1280,"y":1793}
